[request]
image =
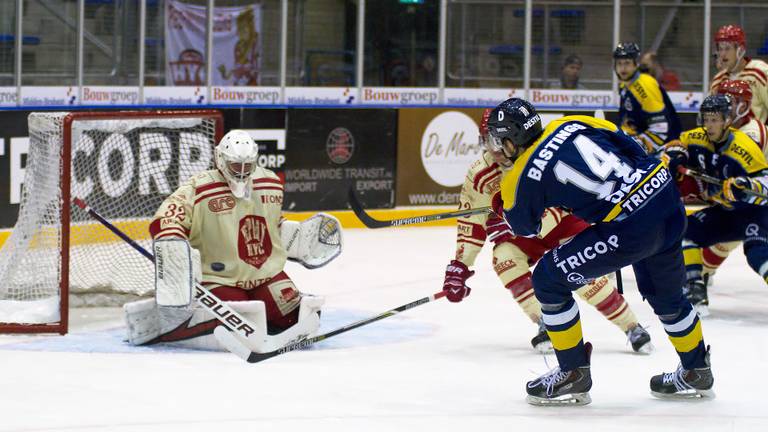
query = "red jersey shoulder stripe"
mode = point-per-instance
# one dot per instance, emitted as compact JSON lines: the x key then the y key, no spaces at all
{"x":267,"y":180}
{"x":757,"y":77}
{"x":479,"y":176}
{"x":209,"y":186}
{"x":212,"y":194}
{"x":758,"y":71}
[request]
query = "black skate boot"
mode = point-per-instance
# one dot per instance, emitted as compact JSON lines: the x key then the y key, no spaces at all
{"x":640,"y":340}
{"x":685,"y":384}
{"x":541,"y":342}
{"x":697,"y":295}
{"x":562,"y":388}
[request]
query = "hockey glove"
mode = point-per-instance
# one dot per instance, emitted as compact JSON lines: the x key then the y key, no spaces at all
{"x":497,"y":230}
{"x":674,"y":156}
{"x":734,"y":188}
{"x":455,"y":285}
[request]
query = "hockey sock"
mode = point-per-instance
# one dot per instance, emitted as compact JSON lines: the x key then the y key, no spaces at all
{"x":603,"y":295}
{"x":522,"y":290}
{"x":684,"y":331}
{"x":564,"y":329}
{"x":713,"y":256}
{"x":693,"y":260}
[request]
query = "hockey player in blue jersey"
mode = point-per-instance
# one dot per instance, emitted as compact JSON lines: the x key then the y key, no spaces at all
{"x":598,"y":173}
{"x":645,"y":111}
{"x":723,"y":152}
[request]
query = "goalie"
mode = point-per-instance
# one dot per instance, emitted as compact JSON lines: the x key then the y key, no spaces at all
{"x":224,"y":228}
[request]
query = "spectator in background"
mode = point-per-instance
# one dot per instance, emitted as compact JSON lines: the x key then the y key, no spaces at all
{"x":569,"y":74}
{"x":650,"y":64}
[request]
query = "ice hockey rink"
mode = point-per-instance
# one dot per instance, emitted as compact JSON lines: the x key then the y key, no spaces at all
{"x":438,"y":367}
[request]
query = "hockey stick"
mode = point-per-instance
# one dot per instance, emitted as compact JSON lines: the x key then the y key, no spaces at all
{"x":370,"y":222}
{"x":715,"y":181}
{"x":234,"y":345}
{"x":230,"y":318}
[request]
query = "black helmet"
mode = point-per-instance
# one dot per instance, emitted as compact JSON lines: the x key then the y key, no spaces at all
{"x":627,"y":50}
{"x":718,"y":103}
{"x":516,"y":120}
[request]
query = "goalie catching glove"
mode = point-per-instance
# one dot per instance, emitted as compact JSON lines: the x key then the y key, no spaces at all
{"x":314,"y":242}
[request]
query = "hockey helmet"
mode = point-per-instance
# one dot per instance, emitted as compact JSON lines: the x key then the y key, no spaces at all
{"x":627,"y":50}
{"x":236,"y":158}
{"x":731,"y":33}
{"x":718,"y":103}
{"x":516,"y":120}
{"x":741,"y":94}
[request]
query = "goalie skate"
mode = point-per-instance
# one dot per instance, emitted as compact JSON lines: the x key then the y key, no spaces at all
{"x":558,"y":388}
{"x":685,"y":384}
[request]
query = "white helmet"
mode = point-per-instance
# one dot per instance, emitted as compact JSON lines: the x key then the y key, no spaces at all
{"x":236,"y":157}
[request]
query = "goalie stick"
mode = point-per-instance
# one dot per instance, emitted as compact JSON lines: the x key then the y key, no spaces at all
{"x":228,"y":317}
{"x":234,"y":345}
{"x":715,"y":181}
{"x":371,"y":222}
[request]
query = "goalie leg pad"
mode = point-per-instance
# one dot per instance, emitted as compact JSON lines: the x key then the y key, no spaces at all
{"x":177,"y":267}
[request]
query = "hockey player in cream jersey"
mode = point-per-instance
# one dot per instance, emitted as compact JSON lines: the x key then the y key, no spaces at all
{"x":230,"y":219}
{"x":513,"y":255}
{"x":733,"y":64}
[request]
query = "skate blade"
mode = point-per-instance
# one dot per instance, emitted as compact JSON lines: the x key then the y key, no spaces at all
{"x":691,"y":395}
{"x":544,"y":347}
{"x":646,"y":349}
{"x":701,"y":310}
{"x":573,"y":399}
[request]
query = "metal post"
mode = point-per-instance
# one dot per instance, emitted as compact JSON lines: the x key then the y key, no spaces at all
{"x":360,"y":50}
{"x":142,"y":46}
{"x":209,"y":50}
{"x":19,"y":47}
{"x":707,"y":42}
{"x":527,"y":48}
{"x":442,"y":40}
{"x":616,"y":36}
{"x":80,"y":48}
{"x":283,"y":47}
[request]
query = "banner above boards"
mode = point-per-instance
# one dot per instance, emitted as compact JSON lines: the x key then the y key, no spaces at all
{"x":353,"y":97}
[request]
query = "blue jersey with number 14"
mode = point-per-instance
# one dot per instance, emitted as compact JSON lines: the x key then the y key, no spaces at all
{"x":584,"y":165}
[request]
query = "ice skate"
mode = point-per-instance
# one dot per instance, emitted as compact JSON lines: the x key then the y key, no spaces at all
{"x":541,"y":342}
{"x":640,"y":340}
{"x":697,"y":295}
{"x":562,"y":388}
{"x":685,"y":384}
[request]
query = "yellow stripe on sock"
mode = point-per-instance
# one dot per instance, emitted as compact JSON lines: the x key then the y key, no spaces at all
{"x":692,"y":256}
{"x":566,"y":339}
{"x":688,"y":342}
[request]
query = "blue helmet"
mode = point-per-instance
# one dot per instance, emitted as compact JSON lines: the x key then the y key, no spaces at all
{"x":627,"y":50}
{"x":514,"y":119}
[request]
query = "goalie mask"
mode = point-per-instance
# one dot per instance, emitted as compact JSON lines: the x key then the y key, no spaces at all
{"x":236,"y":157}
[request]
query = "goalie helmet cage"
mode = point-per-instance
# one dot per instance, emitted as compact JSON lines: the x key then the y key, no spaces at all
{"x":123,"y":164}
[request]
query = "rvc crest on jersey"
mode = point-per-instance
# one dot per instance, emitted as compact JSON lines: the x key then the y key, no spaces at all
{"x":254,"y":244}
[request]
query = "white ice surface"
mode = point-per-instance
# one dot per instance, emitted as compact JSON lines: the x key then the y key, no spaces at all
{"x":441,"y":366}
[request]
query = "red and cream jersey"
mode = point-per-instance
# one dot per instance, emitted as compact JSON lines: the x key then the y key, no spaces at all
{"x":480,"y":185}
{"x":238,"y":239}
{"x":757,"y":131}
{"x":755,"y":72}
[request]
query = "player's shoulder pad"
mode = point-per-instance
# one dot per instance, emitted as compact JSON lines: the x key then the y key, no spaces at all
{"x":746,"y":152}
{"x":758,"y":69}
{"x":696,"y":137}
{"x":482,"y":171}
{"x":264,"y":177}
{"x":647,"y":91}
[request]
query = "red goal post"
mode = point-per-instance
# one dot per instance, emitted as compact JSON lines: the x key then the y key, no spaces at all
{"x":123,"y":163}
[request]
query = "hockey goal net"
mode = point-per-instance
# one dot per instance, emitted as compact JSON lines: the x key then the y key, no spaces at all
{"x":123,"y":164}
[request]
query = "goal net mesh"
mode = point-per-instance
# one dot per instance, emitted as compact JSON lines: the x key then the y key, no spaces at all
{"x":123,"y":167}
